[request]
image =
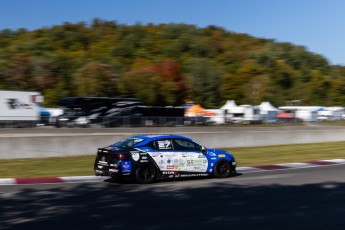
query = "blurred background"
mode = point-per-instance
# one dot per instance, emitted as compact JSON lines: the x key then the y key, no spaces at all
{"x":160,"y":64}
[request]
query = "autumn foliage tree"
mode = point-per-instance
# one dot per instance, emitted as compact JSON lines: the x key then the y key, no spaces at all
{"x":165,"y":64}
{"x":156,"y":84}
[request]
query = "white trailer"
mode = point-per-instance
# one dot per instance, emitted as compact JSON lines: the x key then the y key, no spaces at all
{"x":331,"y":113}
{"x":244,"y":114}
{"x":54,"y":114}
{"x":306,"y":115}
{"x":19,"y":108}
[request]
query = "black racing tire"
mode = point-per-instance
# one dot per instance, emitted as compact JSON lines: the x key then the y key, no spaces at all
{"x":146,"y":173}
{"x":222,"y":169}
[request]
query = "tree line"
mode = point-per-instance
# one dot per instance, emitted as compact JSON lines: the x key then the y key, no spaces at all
{"x":165,"y":64}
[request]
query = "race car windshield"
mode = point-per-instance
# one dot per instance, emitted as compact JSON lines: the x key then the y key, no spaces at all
{"x":127,"y":143}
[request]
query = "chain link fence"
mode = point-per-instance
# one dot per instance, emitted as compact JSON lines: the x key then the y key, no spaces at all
{"x":131,"y":121}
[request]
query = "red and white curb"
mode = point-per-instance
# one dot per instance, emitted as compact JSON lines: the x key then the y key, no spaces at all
{"x":308,"y":164}
{"x":85,"y":179}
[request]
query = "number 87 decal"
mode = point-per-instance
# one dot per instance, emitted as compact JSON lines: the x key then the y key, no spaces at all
{"x":166,"y":144}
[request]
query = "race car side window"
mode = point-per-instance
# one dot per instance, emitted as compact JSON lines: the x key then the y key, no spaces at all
{"x":162,"y":144}
{"x":181,"y":144}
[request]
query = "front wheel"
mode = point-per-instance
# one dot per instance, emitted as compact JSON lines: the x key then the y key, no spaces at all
{"x":221,"y":169}
{"x":145,"y":173}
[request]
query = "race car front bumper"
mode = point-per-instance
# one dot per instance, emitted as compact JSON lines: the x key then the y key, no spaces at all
{"x":233,"y":165}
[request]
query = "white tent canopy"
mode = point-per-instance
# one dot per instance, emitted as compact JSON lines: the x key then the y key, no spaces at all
{"x":229,"y":105}
{"x":268,"y":112}
{"x":266,"y":106}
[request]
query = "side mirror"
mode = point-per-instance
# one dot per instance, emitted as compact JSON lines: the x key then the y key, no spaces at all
{"x":203,"y":150}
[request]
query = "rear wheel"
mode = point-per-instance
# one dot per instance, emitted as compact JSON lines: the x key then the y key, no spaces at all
{"x":145,"y":173}
{"x":221,"y":169}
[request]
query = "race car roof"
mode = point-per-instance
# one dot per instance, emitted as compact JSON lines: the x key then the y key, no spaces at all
{"x":150,"y":137}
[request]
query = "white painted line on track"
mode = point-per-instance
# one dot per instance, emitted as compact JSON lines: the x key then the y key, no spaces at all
{"x":297,"y":165}
{"x":338,"y":161}
{"x":8,"y":181}
{"x":249,"y":169}
{"x":76,"y":179}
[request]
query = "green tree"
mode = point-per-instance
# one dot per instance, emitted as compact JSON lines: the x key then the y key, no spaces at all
{"x":319,"y":89}
{"x":203,"y":82}
{"x":96,"y":79}
{"x":141,"y":84}
{"x":244,"y":86}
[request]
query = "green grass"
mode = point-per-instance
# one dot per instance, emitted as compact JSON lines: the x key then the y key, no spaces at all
{"x":288,"y":153}
{"x":251,"y":156}
{"x":44,"y":167}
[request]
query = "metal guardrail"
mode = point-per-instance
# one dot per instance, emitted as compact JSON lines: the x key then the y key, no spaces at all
{"x":133,"y":121}
{"x":130,"y":121}
{"x":119,"y":121}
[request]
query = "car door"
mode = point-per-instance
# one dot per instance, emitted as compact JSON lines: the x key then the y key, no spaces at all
{"x":164,"y":155}
{"x":190,"y":157}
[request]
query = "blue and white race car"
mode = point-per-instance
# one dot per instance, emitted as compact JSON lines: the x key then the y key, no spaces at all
{"x":147,"y":158}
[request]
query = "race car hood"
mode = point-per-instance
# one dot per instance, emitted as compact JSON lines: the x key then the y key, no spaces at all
{"x":221,"y":153}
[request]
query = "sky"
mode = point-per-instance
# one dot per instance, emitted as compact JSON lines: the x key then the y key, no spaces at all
{"x":318,"y":25}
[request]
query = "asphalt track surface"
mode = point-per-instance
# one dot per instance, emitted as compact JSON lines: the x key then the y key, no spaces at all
{"x":303,"y":198}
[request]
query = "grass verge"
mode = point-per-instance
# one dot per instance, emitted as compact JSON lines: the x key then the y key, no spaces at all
{"x":254,"y":156}
{"x":250,"y":156}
